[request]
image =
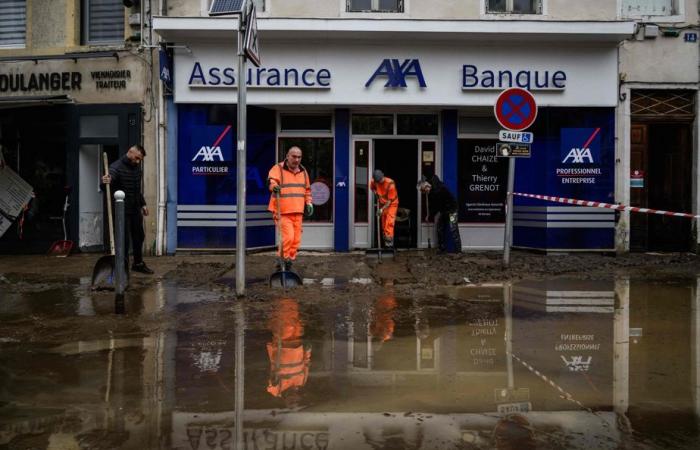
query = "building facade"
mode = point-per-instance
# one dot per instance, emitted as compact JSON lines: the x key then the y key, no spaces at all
{"x":75,"y":82}
{"x":401,"y":85}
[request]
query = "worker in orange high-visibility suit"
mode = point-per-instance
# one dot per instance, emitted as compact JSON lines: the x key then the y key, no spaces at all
{"x":291,"y":181}
{"x":290,"y":358}
{"x":384,"y":189}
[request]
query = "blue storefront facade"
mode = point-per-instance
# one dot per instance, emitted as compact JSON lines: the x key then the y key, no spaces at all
{"x":411,"y":110}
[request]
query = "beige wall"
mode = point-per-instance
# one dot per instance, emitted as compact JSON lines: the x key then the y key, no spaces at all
{"x":585,"y":10}
{"x":184,"y":8}
{"x":303,"y":8}
{"x":444,"y":9}
{"x":48,"y":23}
{"x":664,"y":59}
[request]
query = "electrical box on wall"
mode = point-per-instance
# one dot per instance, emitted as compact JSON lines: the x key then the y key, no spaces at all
{"x":651,"y":31}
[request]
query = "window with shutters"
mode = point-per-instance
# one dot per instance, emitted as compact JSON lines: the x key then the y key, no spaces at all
{"x":103,"y":22}
{"x":13,"y":23}
{"x":514,"y":6}
{"x":391,"y":6}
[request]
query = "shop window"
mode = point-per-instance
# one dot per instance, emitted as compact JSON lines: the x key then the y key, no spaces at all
{"x":103,"y":21}
{"x":317,"y":158}
{"x":636,"y":8}
{"x":13,"y":23}
{"x":373,"y":124}
{"x":417,"y":124}
{"x":361,"y":181}
{"x":306,"y":122}
{"x":481,"y":181}
{"x":478,"y":125}
{"x":514,"y":6}
{"x":395,"y":6}
{"x":99,"y":126}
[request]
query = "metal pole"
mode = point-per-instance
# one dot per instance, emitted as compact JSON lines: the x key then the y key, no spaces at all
{"x":241,"y":161}
{"x":239,"y":379}
{"x":508,"y":235}
{"x":119,"y":253}
{"x":508,"y":313}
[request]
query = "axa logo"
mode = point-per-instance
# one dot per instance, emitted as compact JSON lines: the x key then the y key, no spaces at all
{"x":579,"y":156}
{"x":207,"y":153}
{"x":397,"y":72}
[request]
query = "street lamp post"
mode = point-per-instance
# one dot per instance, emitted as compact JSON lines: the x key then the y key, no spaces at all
{"x":241,"y":158}
{"x":246,"y":48}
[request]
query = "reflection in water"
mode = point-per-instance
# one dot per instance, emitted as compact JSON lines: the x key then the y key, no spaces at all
{"x":290,"y":356}
{"x":550,"y":364}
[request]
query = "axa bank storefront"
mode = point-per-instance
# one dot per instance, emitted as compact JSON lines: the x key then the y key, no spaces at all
{"x":410,"y":98}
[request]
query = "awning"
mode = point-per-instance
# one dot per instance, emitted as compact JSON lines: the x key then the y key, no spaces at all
{"x":38,"y":100}
{"x":184,"y":29}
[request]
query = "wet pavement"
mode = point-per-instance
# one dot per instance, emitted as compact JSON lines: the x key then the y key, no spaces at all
{"x":550,"y":363}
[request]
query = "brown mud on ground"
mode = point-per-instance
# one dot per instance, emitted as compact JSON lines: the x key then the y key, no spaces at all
{"x":49,"y":299}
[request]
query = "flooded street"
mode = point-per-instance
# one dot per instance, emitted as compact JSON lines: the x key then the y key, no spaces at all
{"x":550,"y":363}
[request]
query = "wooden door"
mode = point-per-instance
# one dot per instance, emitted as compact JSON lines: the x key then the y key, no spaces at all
{"x":639,"y":195}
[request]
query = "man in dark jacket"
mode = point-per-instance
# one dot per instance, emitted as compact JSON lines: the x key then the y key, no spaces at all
{"x":443,"y":207}
{"x":125,"y":175}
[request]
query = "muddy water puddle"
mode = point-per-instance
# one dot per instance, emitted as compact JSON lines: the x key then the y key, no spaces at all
{"x":558,"y":364}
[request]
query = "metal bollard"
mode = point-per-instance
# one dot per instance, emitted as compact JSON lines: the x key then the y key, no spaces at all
{"x":119,"y":251}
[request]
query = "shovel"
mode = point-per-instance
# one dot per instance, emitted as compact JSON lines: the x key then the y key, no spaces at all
{"x":103,"y":272}
{"x":62,"y":248}
{"x":282,"y":278}
{"x":378,"y":252}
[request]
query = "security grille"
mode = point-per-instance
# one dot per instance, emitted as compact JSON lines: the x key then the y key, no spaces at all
{"x":374,"y":5}
{"x":103,"y":21}
{"x":13,"y":23}
{"x":665,"y":103}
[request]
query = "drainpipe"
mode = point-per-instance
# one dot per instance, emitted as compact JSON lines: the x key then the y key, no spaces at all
{"x":160,"y":144}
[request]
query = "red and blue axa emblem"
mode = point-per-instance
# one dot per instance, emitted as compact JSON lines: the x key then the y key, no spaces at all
{"x":211,"y":153}
{"x":580,"y":145}
{"x":396,"y":73}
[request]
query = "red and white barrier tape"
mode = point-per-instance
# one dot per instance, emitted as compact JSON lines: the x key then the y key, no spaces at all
{"x":618,"y":207}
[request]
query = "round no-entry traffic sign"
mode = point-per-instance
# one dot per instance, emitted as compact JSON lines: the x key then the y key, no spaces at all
{"x":515,"y":109}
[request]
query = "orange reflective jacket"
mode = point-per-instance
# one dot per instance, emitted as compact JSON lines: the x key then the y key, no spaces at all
{"x":295,"y":189}
{"x":386,"y":191}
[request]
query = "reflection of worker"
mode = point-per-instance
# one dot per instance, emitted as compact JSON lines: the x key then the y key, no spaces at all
{"x":388,"y":202}
{"x":382,"y":326}
{"x":289,"y":357}
{"x":514,"y":432}
{"x":442,"y":206}
{"x":291,"y":180}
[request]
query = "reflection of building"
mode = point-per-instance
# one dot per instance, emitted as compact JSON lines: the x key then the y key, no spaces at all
{"x":74,"y":83}
{"x":436,"y":383}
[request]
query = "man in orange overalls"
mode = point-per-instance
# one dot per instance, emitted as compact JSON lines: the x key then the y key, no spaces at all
{"x":290,"y":357}
{"x":388,"y":202}
{"x":291,"y":181}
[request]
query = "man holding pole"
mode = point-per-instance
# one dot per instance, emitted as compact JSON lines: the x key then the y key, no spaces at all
{"x":384,"y":189}
{"x":290,"y":180}
{"x":125,"y":175}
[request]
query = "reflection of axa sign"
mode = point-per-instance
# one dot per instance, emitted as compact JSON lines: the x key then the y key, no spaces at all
{"x":396,"y":73}
{"x":579,"y":156}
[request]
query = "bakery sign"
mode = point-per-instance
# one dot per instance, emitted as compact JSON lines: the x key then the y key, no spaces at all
{"x":30,"y":83}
